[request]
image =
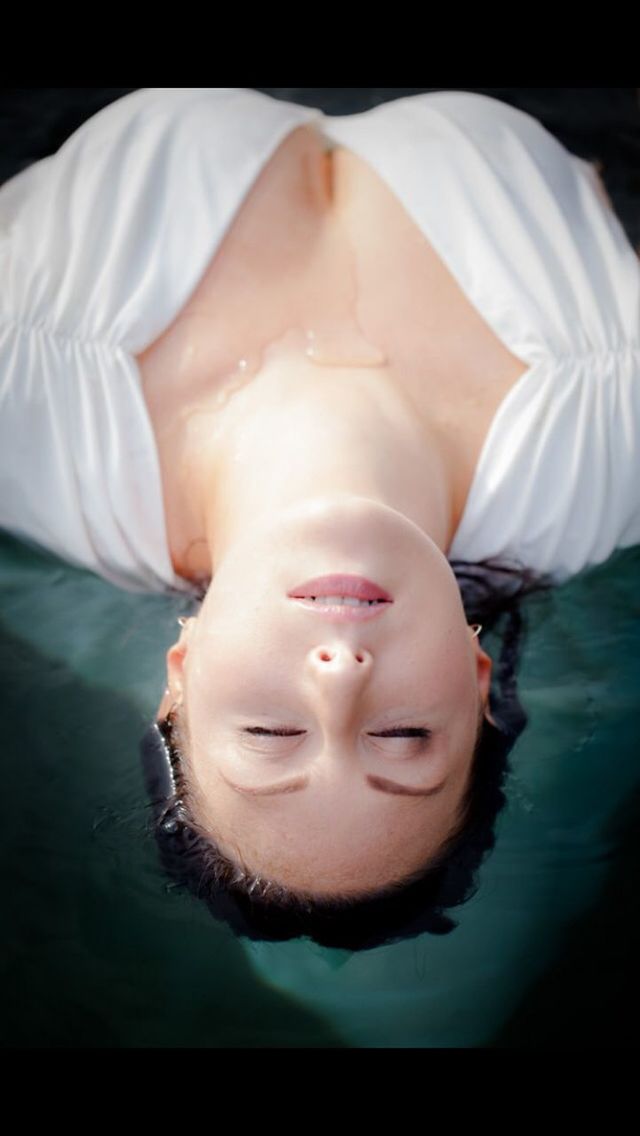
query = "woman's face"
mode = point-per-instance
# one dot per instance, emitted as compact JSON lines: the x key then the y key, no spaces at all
{"x":333,"y":806}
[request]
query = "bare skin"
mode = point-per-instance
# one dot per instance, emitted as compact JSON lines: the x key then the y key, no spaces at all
{"x":308,"y":470}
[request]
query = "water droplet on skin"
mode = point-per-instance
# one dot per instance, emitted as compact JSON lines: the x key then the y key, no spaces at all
{"x":238,"y":377}
{"x":328,"y":342}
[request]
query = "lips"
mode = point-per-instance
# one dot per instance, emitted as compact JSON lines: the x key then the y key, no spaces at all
{"x":356,"y":587}
{"x":340,"y":585}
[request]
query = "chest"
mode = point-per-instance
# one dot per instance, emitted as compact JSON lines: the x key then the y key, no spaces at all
{"x":321,"y":237}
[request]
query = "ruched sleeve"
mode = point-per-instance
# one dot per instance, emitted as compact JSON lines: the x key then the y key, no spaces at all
{"x":526,"y":232}
{"x":101,"y":246}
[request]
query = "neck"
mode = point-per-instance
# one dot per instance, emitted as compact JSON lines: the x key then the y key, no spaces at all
{"x":295,"y":432}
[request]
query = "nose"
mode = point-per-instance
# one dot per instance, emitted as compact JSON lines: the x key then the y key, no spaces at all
{"x":352,"y":663}
{"x":338,"y":673}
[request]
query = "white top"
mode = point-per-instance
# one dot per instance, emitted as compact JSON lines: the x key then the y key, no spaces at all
{"x":102,"y":244}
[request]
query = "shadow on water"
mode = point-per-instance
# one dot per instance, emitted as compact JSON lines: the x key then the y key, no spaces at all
{"x":95,"y":952}
{"x":589,"y":997}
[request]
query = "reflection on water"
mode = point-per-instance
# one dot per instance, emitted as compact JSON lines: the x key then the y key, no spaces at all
{"x":98,"y":951}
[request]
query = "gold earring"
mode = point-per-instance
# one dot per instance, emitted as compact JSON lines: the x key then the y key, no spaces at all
{"x":477,"y":628}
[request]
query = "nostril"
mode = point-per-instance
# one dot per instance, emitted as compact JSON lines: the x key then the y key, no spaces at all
{"x":327,"y":656}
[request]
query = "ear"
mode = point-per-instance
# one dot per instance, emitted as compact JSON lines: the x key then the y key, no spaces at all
{"x":175,"y":658}
{"x":484,"y":665}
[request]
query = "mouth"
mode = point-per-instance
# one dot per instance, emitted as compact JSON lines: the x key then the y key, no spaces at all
{"x":343,"y":599}
{"x":343,"y":586}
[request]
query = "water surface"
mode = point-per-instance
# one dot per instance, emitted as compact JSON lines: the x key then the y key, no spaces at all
{"x":98,"y":951}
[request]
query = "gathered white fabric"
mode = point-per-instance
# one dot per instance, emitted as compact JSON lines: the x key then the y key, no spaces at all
{"x":102,"y":244}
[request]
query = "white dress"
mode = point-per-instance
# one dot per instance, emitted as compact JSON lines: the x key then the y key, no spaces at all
{"x":102,"y":244}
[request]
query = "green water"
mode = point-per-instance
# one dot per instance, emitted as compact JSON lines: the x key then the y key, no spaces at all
{"x":98,"y":952}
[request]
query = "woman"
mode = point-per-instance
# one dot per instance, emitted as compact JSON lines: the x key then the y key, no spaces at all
{"x":298,"y":365}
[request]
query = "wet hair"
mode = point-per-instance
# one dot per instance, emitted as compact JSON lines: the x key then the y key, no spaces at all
{"x":261,"y":908}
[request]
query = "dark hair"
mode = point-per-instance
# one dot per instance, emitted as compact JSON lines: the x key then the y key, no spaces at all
{"x":259,"y":908}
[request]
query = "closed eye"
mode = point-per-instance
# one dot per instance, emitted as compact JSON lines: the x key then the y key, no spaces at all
{"x":395,"y":732}
{"x":260,"y":730}
{"x":404,"y":732}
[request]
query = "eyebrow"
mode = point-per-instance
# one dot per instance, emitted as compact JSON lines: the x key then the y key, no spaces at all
{"x":297,"y":783}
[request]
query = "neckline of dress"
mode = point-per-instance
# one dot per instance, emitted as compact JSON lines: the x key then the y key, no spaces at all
{"x":326,"y":124}
{"x":533,"y":364}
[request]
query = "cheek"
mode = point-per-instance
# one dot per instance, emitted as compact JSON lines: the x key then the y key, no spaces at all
{"x":453,"y":672}
{"x":237,"y":669}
